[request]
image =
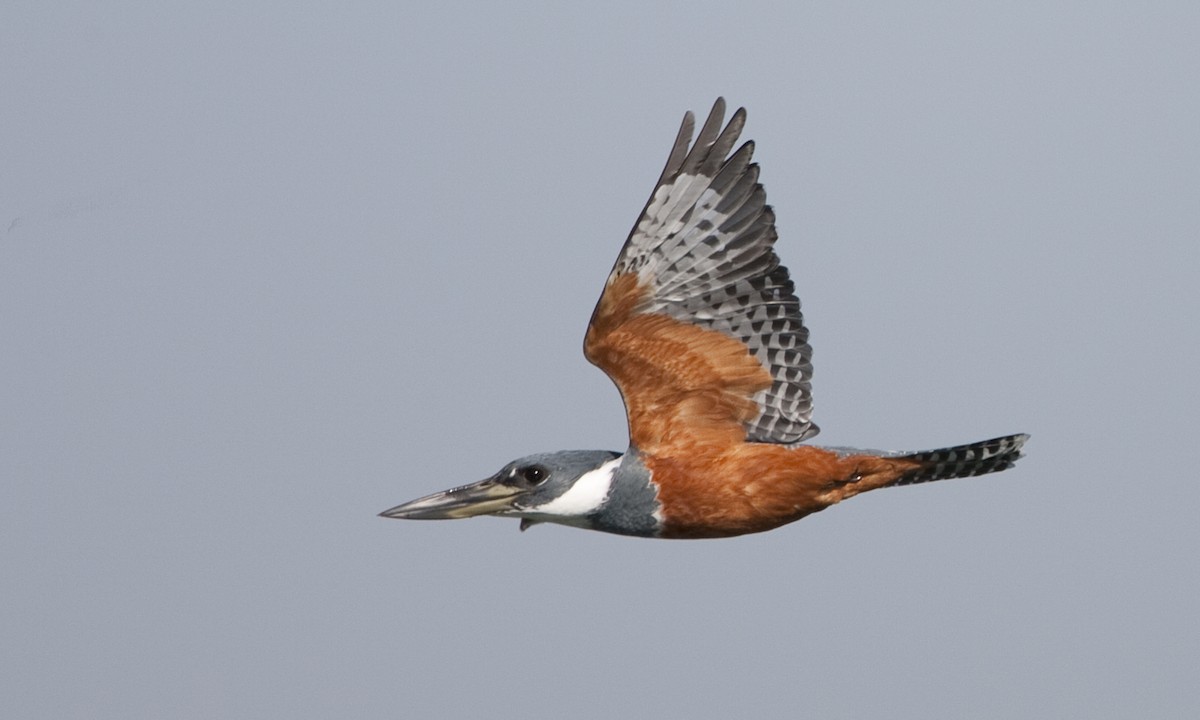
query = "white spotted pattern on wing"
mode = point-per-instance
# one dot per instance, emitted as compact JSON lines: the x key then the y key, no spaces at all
{"x":704,"y":245}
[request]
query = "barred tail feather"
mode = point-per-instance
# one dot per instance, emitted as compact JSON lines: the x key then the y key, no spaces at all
{"x":979,"y":458}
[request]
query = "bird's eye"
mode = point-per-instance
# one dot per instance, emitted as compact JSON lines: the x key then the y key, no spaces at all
{"x":534,"y":474}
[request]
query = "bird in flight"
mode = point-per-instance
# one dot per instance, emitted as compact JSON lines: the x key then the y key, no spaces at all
{"x":700,"y":329}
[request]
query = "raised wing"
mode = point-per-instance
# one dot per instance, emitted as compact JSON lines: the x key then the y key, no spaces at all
{"x":698,"y":324}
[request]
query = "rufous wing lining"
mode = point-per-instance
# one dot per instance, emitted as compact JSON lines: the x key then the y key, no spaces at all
{"x":698,"y":324}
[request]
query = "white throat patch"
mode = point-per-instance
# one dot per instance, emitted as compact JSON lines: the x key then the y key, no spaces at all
{"x":584,"y":497}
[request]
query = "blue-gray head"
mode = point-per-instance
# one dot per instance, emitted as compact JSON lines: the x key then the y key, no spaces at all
{"x":583,"y":488}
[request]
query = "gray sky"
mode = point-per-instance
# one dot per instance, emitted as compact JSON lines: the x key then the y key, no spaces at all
{"x":267,"y":271}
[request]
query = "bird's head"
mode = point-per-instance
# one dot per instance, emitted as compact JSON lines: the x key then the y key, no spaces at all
{"x":566,"y":487}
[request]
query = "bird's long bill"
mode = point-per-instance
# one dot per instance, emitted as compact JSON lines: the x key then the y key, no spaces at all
{"x":481,"y":498}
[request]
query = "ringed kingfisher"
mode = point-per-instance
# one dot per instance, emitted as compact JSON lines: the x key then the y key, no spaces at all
{"x":700,"y":329}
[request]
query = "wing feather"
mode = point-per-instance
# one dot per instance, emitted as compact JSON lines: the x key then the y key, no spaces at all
{"x":701,"y":255}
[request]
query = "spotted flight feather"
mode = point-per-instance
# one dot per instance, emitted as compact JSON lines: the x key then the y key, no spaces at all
{"x":703,"y":249}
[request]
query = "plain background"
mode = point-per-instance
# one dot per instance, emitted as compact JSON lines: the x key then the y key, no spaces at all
{"x":269,"y":269}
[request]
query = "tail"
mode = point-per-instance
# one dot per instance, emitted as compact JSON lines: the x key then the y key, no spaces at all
{"x":980,"y":458}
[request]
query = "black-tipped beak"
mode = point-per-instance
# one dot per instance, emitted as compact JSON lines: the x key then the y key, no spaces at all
{"x":482,"y":498}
